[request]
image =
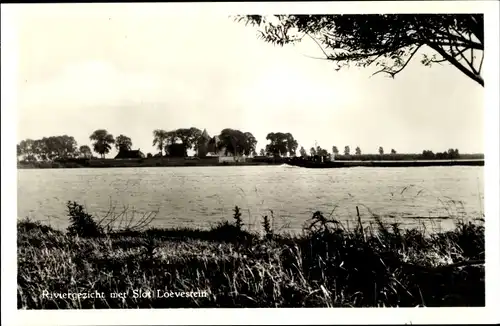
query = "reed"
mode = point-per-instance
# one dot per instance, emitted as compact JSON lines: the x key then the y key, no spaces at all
{"x":328,"y":265}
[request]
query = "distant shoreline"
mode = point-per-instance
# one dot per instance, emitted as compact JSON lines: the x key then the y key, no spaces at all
{"x":137,"y":163}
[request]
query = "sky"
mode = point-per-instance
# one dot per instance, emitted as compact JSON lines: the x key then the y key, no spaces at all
{"x":133,"y":69}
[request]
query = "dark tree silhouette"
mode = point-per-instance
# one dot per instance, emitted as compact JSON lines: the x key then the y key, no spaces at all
{"x":389,"y":41}
{"x":236,"y":142}
{"x":291,"y":144}
{"x":381,"y":150}
{"x":347,"y":150}
{"x":358,"y":151}
{"x":321,"y":151}
{"x":312,"y":151}
{"x":49,"y":148}
{"x":160,"y":139}
{"x":393,"y":151}
{"x":188,"y":136}
{"x":335,"y":150}
{"x":27,"y":149}
{"x":262,"y":152}
{"x":302,"y":152}
{"x":85,"y":151}
{"x":426,"y":154}
{"x":281,"y":144}
{"x":250,"y":144}
{"x":102,"y":141}
{"x":123,"y":143}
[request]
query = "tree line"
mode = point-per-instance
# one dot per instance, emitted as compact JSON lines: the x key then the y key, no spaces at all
{"x":177,"y":142}
{"x":65,"y":147}
{"x":169,"y":143}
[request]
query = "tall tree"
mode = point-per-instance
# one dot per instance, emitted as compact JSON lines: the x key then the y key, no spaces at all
{"x":123,"y":143}
{"x":250,"y":144}
{"x":312,"y":151}
{"x":281,"y":144}
{"x":389,"y":41}
{"x":27,"y":149}
{"x":102,"y":141}
{"x":335,"y":150}
{"x":262,"y":152}
{"x":85,"y":151}
{"x":393,"y":151}
{"x":358,"y":151}
{"x":67,"y":146}
{"x":321,"y":151}
{"x":40,"y":149}
{"x":236,"y":142}
{"x":347,"y":150}
{"x":188,"y":137}
{"x":381,"y":150}
{"x":302,"y":152}
{"x":291,"y":144}
{"x":195,"y":136}
{"x":172,"y":137}
{"x":160,"y":139}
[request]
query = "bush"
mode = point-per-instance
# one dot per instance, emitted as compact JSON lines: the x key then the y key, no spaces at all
{"x":237,"y":217}
{"x":82,"y":223}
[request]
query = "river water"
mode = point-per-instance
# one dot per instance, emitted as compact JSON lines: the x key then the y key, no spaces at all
{"x":202,"y":196}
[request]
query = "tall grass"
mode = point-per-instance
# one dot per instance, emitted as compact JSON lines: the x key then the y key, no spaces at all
{"x":328,"y":265}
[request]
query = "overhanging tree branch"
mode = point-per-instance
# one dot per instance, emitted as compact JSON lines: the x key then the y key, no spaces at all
{"x":395,"y":72}
{"x":457,"y":64}
{"x":365,"y":39}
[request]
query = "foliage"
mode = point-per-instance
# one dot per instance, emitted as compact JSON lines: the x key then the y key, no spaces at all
{"x":393,"y":151}
{"x":389,"y":41}
{"x":451,"y":154}
{"x":358,"y":151}
{"x":381,"y":150}
{"x":347,"y":150}
{"x":176,"y":150}
{"x":123,"y":143}
{"x":281,"y":144}
{"x":321,"y":151}
{"x":262,"y":152}
{"x":160,"y":139}
{"x":189,"y":137}
{"x":266,"y":224}
{"x":85,"y":151}
{"x":81,"y":223}
{"x":102,"y":141}
{"x":335,"y":150}
{"x":235,"y":142}
{"x":312,"y":151}
{"x":51,"y":148}
{"x":237,"y":217}
{"x":302,"y":152}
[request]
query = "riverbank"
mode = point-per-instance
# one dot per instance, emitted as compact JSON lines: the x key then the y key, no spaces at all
{"x":171,"y":162}
{"x":226,"y":266}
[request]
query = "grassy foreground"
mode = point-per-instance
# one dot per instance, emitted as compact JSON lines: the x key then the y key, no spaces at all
{"x":326,"y":266}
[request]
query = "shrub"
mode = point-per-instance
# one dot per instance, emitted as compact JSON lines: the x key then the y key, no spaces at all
{"x":267,"y":227}
{"x":82,"y":223}
{"x":237,"y":217}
